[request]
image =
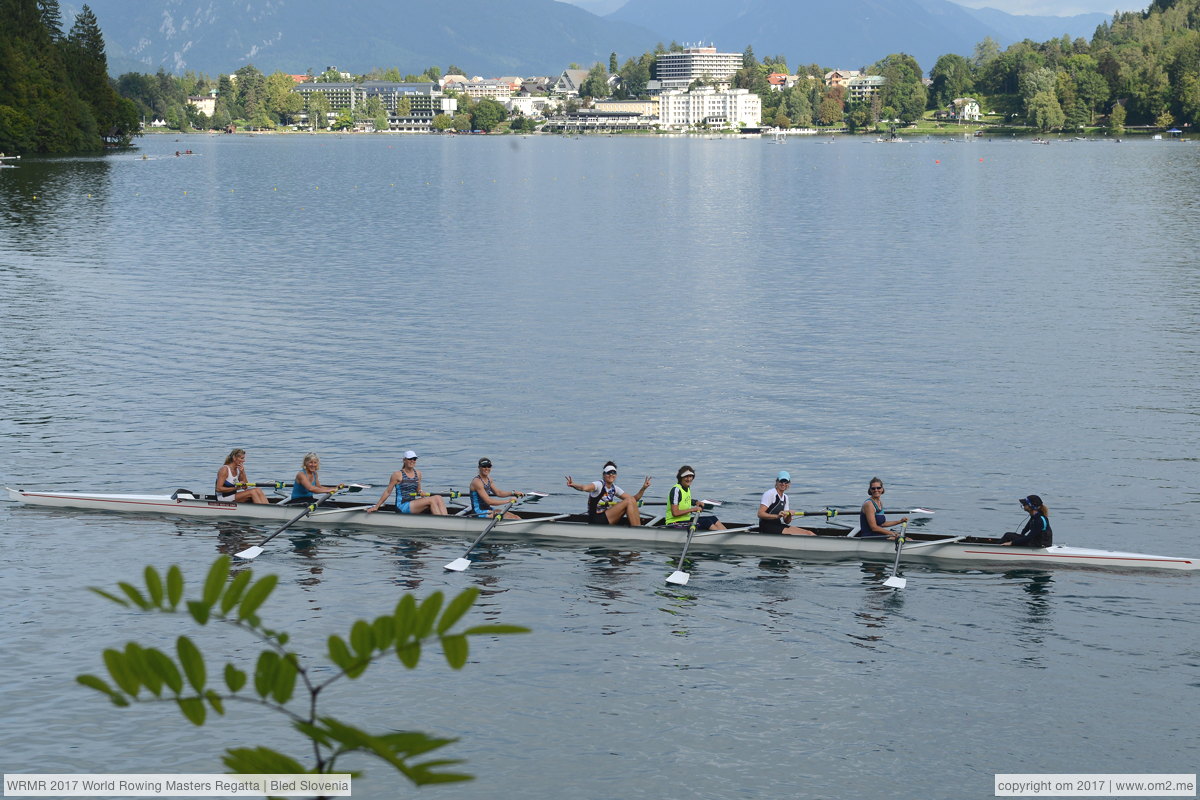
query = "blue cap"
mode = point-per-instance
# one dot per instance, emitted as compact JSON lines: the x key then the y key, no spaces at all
{"x":783,"y":476}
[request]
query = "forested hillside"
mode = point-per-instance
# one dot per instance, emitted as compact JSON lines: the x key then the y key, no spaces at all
{"x":55,"y":93}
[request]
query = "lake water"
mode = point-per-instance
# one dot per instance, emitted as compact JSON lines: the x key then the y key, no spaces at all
{"x":970,"y":321}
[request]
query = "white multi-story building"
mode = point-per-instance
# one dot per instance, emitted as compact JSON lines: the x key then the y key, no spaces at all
{"x":862,"y":87}
{"x":717,"y":108}
{"x":680,"y":70}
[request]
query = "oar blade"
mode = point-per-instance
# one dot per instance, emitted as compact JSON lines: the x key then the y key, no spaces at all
{"x":896,"y":582}
{"x":678,"y":577}
{"x":459,"y":564}
{"x":250,"y":553}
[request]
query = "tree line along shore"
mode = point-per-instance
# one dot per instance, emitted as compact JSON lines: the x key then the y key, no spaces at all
{"x":1141,"y":69}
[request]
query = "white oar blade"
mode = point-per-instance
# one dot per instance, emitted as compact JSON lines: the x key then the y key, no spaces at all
{"x":458,"y":564}
{"x":250,"y":552}
{"x":896,"y":582}
{"x":678,"y":577}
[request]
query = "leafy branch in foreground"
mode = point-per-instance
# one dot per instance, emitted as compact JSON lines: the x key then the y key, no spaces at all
{"x":147,"y":674}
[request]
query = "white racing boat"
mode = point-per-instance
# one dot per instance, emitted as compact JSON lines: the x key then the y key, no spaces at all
{"x":833,"y":540}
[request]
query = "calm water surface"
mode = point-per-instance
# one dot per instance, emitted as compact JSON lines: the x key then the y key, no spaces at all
{"x":970,"y":321}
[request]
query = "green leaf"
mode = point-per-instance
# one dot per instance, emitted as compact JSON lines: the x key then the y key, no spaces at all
{"x":409,"y":654}
{"x":426,"y":615}
{"x":384,"y":631}
{"x":165,"y":668}
{"x":235,"y":678}
{"x":457,"y":607}
{"x":192,"y":662}
{"x":257,"y":594}
{"x":134,"y":595}
{"x":361,"y":638}
{"x":92,"y":682}
{"x":107,"y":596}
{"x":261,"y":761}
{"x":494,"y":630}
{"x":234,"y":592}
{"x":406,"y":617}
{"x":285,"y":680}
{"x":114,"y":660}
{"x":339,"y":654}
{"x":214,"y":700}
{"x":264,"y":672}
{"x":193,"y":709}
{"x":154,"y":586}
{"x":135,"y":657}
{"x":199,"y":611}
{"x":455,"y":648}
{"x":217,"y":575}
{"x":174,"y":585}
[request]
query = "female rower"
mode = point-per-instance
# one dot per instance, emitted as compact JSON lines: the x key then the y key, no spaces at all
{"x":680,"y":506}
{"x":607,"y":502}
{"x":232,"y":473}
{"x":775,"y":510}
{"x":871,"y":519}
{"x":485,"y":497}
{"x":307,"y":484}
{"x":1036,"y":532}
{"x":409,"y":498}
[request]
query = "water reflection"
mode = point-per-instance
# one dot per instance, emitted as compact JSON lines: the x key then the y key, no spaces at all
{"x":44,"y":199}
{"x":879,"y":603}
{"x":1034,"y":626}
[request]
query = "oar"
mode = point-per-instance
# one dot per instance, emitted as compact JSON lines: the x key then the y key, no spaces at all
{"x":679,"y":576}
{"x":897,"y":582}
{"x":341,"y":510}
{"x":256,"y":550}
{"x":350,"y":487}
{"x":460,"y":564}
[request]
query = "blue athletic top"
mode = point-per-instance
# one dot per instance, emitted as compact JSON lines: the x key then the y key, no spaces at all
{"x":477,"y":505}
{"x":300,"y":493}
{"x":863,"y":528}
{"x":406,"y":489}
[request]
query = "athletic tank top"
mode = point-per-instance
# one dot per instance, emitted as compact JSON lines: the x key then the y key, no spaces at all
{"x":477,"y":503}
{"x":863,"y":528}
{"x":406,"y":490}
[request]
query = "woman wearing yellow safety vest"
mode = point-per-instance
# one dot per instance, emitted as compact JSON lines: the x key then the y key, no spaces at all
{"x":680,"y":506}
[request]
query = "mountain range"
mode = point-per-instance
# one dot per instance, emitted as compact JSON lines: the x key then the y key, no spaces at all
{"x":538,"y":37}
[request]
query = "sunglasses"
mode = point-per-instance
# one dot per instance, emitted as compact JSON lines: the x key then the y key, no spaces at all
{"x":875,"y":489}
{"x":610,"y":472}
{"x":781,"y":480}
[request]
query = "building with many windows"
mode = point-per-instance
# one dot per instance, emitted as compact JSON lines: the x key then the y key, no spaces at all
{"x":421,"y":102}
{"x":862,"y":87}
{"x":716,"y":108}
{"x":680,"y":70}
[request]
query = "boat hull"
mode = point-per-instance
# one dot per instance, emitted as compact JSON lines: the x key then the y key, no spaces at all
{"x":831,"y":542}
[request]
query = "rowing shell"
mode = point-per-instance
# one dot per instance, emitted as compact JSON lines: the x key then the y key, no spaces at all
{"x":831,"y":541}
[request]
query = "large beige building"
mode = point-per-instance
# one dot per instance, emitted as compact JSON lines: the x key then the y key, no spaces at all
{"x":717,"y":108}
{"x":680,"y":70}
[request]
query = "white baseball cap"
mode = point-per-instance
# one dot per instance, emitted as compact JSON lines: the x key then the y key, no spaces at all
{"x":409,"y":454}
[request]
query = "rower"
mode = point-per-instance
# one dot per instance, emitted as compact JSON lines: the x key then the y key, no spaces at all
{"x":1036,"y":532}
{"x":409,"y":497}
{"x":680,"y":506}
{"x":486,"y":498}
{"x":308,"y":484}
{"x":775,"y":510}
{"x":872,"y":522}
{"x":609,"y":503}
{"x":230,"y":475}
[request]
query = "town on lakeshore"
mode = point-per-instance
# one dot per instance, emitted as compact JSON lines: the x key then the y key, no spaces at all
{"x":1140,"y":71}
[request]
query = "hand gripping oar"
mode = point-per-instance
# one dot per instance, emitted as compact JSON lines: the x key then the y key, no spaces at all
{"x":679,"y":576}
{"x":460,"y":564}
{"x":897,"y":582}
{"x":256,"y":550}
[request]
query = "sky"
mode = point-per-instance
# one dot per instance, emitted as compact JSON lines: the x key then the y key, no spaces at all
{"x":1046,"y":8}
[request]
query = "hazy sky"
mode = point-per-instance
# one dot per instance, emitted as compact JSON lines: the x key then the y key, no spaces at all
{"x":1048,"y":8}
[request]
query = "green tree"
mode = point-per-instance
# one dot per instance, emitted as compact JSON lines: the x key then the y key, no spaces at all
{"x":902,"y":89}
{"x":138,"y":674}
{"x":462,"y":123}
{"x":612,"y":64}
{"x":442,"y":122}
{"x":318,"y":110}
{"x":1044,"y":112}
{"x":951,"y":78}
{"x":1116,"y":120}
{"x":487,"y":114}
{"x":595,"y":84}
{"x":280,"y":98}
